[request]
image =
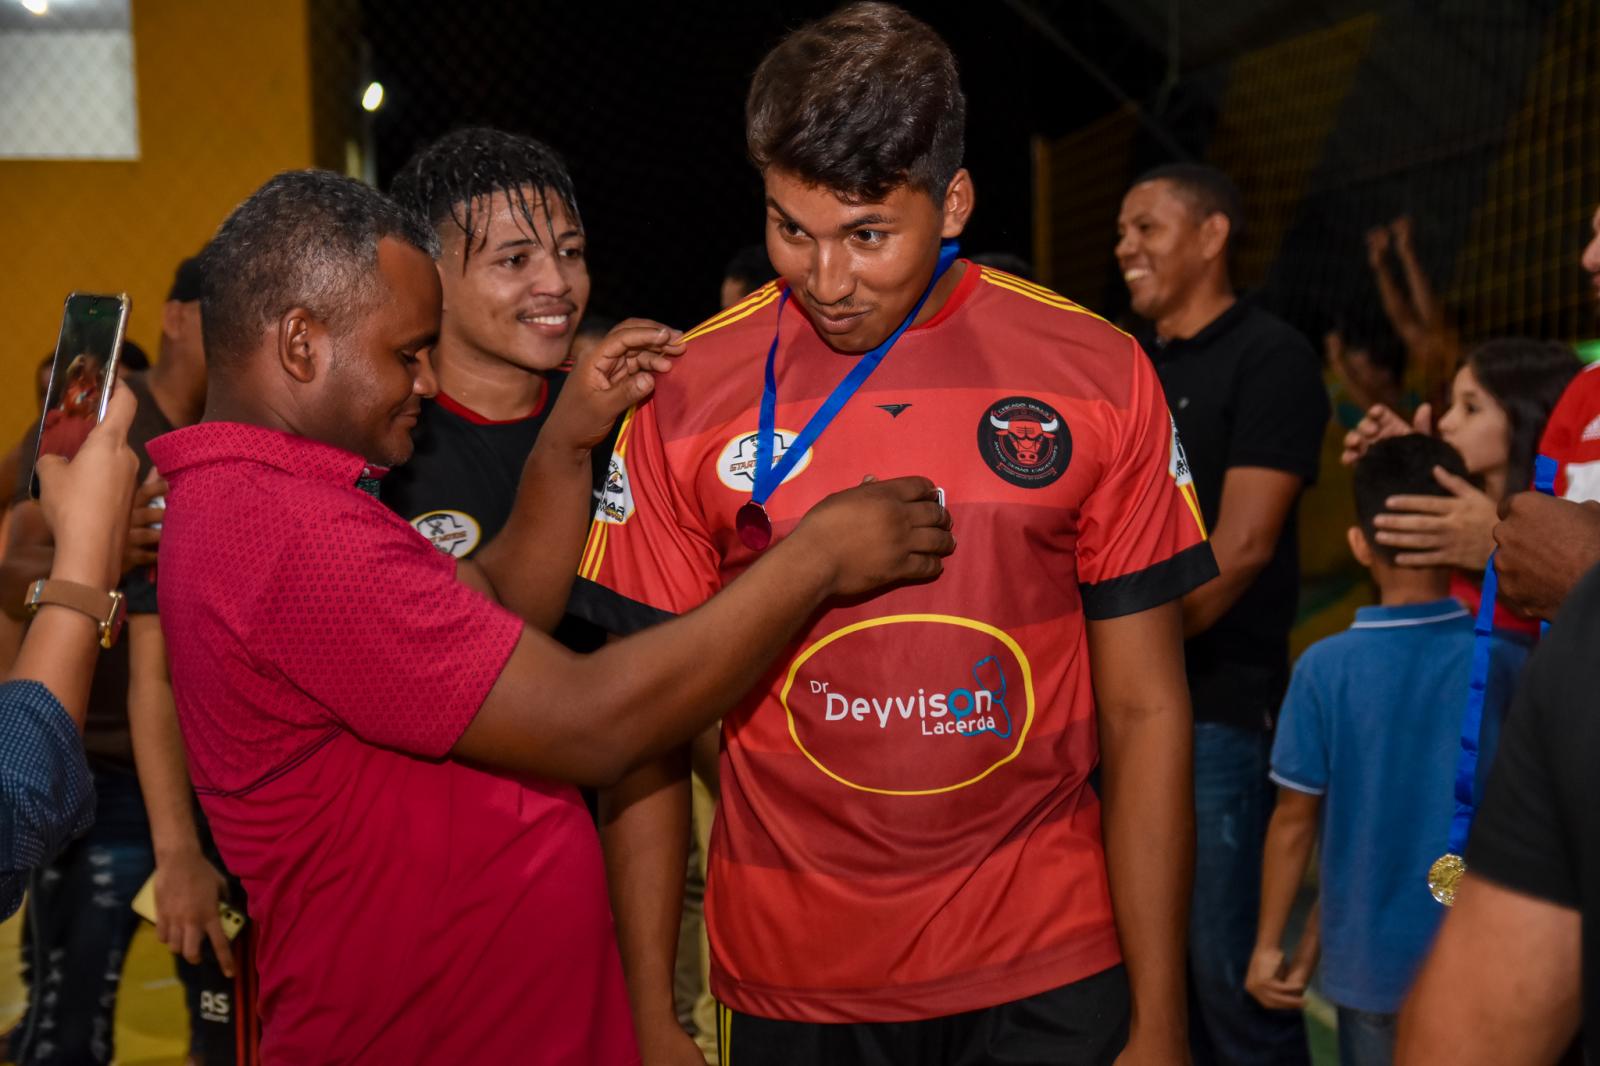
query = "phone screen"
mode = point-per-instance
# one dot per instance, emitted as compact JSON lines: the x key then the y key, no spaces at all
{"x":82,"y":374}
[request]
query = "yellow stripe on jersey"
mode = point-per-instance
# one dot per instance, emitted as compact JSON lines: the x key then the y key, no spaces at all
{"x":745,"y":308}
{"x":1024,"y":283}
{"x":595,"y":548}
{"x":1033,"y":292}
{"x":740,"y":305}
{"x":594,"y":551}
{"x":1189,"y":497}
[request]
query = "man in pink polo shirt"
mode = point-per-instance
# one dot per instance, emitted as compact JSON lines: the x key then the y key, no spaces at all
{"x":375,"y":739}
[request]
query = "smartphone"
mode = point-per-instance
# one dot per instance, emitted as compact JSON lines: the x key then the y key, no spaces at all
{"x":82,"y":375}
{"x":144,"y":905}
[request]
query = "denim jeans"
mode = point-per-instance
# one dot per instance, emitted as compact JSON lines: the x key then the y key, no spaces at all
{"x":1233,"y":801}
{"x":1366,"y":1038}
{"x":79,"y":924}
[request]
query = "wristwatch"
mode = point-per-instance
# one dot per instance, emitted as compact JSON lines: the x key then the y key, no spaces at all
{"x":108,"y":609}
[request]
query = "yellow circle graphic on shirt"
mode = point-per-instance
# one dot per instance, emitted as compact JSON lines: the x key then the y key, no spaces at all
{"x":952,"y":704}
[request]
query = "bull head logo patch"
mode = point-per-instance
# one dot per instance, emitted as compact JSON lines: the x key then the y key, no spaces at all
{"x":1024,"y":441}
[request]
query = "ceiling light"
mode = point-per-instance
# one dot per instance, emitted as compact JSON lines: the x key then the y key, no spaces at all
{"x":371,"y":100}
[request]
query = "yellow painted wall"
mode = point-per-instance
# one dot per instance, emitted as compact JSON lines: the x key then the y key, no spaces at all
{"x":224,"y":97}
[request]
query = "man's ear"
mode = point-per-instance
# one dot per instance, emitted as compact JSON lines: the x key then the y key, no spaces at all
{"x":302,"y":345}
{"x":1214,"y":234}
{"x":959,"y":200}
{"x":444,"y":290}
{"x":1359,"y":546}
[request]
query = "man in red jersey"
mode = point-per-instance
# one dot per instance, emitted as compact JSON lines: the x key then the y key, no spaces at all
{"x":908,"y":866}
{"x":377,"y":730}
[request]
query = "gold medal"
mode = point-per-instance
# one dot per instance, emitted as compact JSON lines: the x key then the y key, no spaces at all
{"x":1444,"y":876}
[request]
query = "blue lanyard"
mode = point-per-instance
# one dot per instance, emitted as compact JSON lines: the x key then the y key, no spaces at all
{"x":1544,"y":480}
{"x":770,"y":475}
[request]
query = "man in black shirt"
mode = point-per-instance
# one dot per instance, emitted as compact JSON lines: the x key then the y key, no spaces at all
{"x":1514,"y":967}
{"x":1246,"y":393}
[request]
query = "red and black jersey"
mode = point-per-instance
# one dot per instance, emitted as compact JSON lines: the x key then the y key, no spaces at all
{"x":1572,"y":438}
{"x":906,"y":826}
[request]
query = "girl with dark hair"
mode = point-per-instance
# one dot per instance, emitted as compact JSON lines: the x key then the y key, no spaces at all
{"x":1502,"y":395}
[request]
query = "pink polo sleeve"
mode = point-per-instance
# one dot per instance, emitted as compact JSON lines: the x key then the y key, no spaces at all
{"x":368,"y":620}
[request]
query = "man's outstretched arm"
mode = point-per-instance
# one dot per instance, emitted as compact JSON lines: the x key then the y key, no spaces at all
{"x":530,"y":564}
{"x":1146,"y":738}
{"x":589,"y":719}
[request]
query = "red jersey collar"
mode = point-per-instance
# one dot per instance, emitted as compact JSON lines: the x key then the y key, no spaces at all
{"x":219,"y":442}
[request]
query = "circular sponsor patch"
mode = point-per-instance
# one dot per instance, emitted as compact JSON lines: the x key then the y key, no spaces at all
{"x":951,"y":708}
{"x":1025,"y":441}
{"x":452,"y":532}
{"x":736,"y":466}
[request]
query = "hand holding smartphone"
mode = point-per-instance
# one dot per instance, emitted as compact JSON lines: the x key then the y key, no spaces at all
{"x":82,"y":374}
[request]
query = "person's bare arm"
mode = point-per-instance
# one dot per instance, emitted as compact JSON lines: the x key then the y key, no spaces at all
{"x":590,"y":719}
{"x":1545,"y":545}
{"x":1255,"y":504}
{"x":1502,"y":984}
{"x":1397,"y":306}
{"x":1290,"y":837}
{"x":87,"y":501}
{"x":644,"y":828}
{"x":188,"y":888}
{"x":28,"y":551}
{"x":30,"y":547}
{"x":1146,"y":730}
{"x":1425,"y":303}
{"x":529,"y":566}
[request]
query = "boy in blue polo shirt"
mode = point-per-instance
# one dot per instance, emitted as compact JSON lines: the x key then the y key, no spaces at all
{"x":1366,"y":754}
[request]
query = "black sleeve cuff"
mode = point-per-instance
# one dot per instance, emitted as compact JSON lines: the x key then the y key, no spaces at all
{"x":612,"y":611}
{"x":1150,"y":587}
{"x":1302,"y":465}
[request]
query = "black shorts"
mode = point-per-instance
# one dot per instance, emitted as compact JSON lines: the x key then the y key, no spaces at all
{"x":1081,"y":1024}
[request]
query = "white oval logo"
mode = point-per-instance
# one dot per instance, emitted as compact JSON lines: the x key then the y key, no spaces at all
{"x":736,"y":466}
{"x":452,"y":532}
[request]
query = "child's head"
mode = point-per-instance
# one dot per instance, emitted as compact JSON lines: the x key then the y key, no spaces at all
{"x":1499,"y":402}
{"x":1399,"y":466}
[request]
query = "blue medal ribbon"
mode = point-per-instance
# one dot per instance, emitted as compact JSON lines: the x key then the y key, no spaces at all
{"x":770,"y":475}
{"x":1544,"y":480}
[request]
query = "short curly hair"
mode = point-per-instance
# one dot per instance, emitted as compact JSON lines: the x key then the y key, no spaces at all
{"x":861,"y":102}
{"x":307,"y":238}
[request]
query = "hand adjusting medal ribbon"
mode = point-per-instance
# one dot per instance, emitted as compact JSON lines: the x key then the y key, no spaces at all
{"x":752,"y":523}
{"x":1444,"y":876}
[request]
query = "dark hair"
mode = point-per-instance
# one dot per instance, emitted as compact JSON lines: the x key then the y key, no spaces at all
{"x":1400,"y":466}
{"x":307,"y":238}
{"x":187,"y":280}
{"x":1374,"y":335}
{"x":1526,"y":377}
{"x":861,"y":102}
{"x":446,"y":180}
{"x":751,"y":266}
{"x":1208,"y":190}
{"x":1011,"y":264}
{"x":133,"y":357}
